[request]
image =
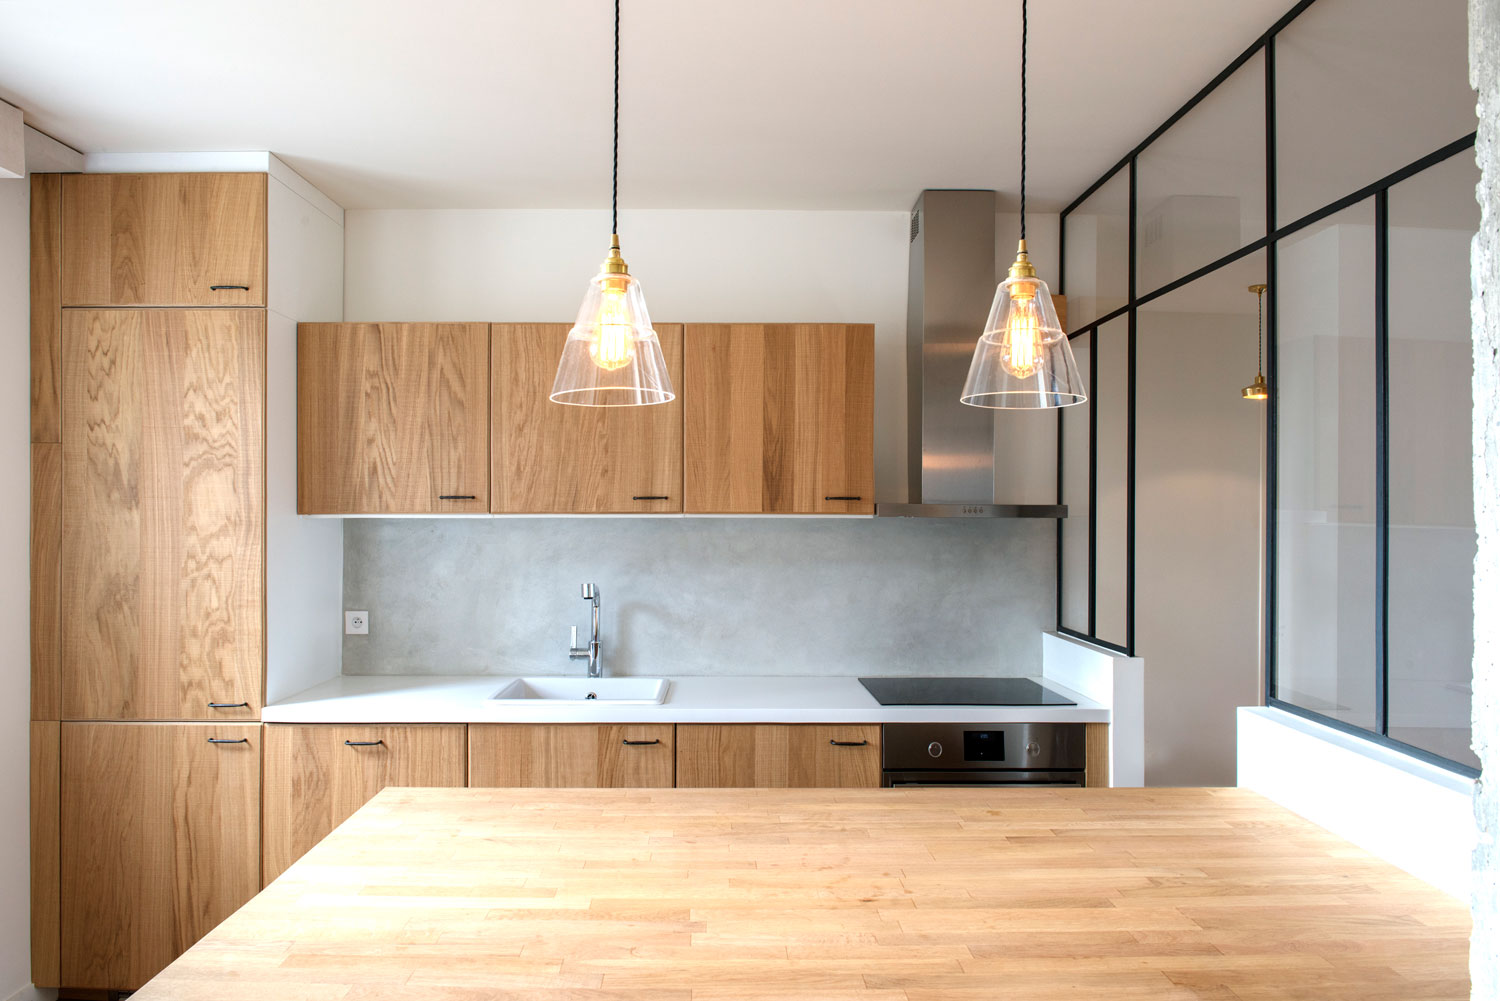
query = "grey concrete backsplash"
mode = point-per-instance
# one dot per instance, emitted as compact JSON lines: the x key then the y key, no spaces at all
{"x":693,"y":596}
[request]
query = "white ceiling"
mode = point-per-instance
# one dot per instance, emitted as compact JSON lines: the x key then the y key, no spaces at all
{"x":808,"y":104}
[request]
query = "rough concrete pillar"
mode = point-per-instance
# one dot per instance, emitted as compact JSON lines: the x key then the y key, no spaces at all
{"x":1484,"y":76}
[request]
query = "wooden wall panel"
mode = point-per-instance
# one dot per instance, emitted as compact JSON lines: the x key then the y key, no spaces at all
{"x":393,"y":418}
{"x":46,"y":573}
{"x":160,"y":842}
{"x":46,"y":862}
{"x":552,"y":458}
{"x":164,"y":239}
{"x":571,"y":755}
{"x":46,"y":307}
{"x":164,"y":550}
{"x":1096,"y":754}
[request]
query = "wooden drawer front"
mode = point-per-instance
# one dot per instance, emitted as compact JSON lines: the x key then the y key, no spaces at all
{"x":163,"y":522}
{"x":572,"y":755}
{"x":317,"y":775}
{"x":550,"y":458}
{"x":160,"y":833}
{"x":393,"y":418}
{"x":743,"y":755}
{"x":164,"y":240}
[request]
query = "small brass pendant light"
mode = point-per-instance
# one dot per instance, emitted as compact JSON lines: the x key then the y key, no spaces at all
{"x":1258,"y":390}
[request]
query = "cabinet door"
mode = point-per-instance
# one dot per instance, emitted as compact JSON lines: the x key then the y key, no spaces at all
{"x":779,"y":418}
{"x":795,"y":756}
{"x":317,"y":775}
{"x":571,"y":755}
{"x":164,"y":240}
{"x":550,"y":458}
{"x":163,"y":550}
{"x":393,"y":418}
{"x":160,"y":842}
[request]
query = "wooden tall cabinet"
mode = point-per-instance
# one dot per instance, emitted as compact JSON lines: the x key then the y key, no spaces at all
{"x":552,"y":458}
{"x":160,"y":835}
{"x":163,"y":507}
{"x":393,"y":418}
{"x":779,"y":418}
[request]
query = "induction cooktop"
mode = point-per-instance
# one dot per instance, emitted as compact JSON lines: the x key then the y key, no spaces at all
{"x":962,"y":692}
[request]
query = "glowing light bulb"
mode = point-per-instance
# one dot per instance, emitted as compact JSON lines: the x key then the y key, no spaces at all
{"x":613,"y":346}
{"x":1021,"y":343}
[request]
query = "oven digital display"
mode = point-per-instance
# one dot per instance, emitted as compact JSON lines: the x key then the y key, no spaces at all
{"x":984,"y":745}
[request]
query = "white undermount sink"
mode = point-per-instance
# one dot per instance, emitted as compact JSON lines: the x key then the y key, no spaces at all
{"x":582,"y":691}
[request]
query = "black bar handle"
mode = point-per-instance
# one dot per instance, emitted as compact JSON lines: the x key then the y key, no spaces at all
{"x":362,"y":743}
{"x":229,"y":705}
{"x":843,"y":498}
{"x":226,"y":740}
{"x":650,"y":497}
{"x":848,"y":743}
{"x":639,"y":743}
{"x":221,"y":288}
{"x":457,"y":497}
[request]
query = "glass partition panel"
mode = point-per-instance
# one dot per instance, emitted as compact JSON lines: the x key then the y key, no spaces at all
{"x":1111,"y":397}
{"x":1325,"y":538}
{"x":1363,"y":88}
{"x":1430,"y":606}
{"x":1201,"y":186}
{"x":1075,"y":493}
{"x":1097,"y":261}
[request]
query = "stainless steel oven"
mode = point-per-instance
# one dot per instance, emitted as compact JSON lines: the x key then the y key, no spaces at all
{"x":973,"y":754}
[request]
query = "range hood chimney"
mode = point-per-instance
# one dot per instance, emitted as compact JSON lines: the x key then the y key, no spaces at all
{"x":950,"y":282}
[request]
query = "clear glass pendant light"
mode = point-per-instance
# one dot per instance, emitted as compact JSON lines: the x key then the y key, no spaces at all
{"x":1023,"y":360}
{"x":612,"y":357}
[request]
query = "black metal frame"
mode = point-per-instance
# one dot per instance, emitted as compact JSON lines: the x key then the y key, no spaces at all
{"x":1274,"y":233}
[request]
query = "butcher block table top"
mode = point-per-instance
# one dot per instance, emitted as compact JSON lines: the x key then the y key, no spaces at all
{"x":833,"y":894}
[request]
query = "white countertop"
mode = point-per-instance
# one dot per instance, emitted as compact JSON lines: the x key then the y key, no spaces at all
{"x":756,"y":699}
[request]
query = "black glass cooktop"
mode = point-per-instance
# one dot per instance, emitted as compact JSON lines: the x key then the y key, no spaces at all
{"x":962,"y":692}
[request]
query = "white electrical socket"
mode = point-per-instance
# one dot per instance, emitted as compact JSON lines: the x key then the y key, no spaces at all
{"x":356,"y":623}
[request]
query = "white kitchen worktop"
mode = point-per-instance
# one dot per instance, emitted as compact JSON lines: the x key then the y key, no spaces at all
{"x":758,"y":699}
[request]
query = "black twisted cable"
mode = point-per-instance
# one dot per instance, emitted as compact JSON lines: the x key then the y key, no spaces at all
{"x":1023,"y":118}
{"x":614,"y":196}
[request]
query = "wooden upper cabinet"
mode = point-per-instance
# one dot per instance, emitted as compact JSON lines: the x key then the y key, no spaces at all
{"x":551,"y":458}
{"x":571,"y":755}
{"x":779,"y":418}
{"x":163,"y":549}
{"x":393,"y":418}
{"x":160,"y":835}
{"x":164,"y":240}
{"x":778,"y":756}
{"x":317,"y":775}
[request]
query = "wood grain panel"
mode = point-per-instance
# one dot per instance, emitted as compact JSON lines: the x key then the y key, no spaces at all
{"x":160,"y":842}
{"x":1060,"y":304}
{"x":314,"y":780}
{"x":46,"y":862}
{"x":950,"y":894}
{"x":46,"y":307}
{"x":1096,"y":754}
{"x":163,"y":556}
{"x":393,"y":418}
{"x":571,"y":755}
{"x":552,"y":458}
{"x":780,"y":418}
{"x":164,"y":239}
{"x":46,"y":572}
{"x":751,"y":755}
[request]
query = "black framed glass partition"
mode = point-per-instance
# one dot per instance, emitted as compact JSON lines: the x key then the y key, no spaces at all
{"x":1331,"y":161}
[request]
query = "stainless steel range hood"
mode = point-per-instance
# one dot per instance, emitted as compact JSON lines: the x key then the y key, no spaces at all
{"x":950,"y":282}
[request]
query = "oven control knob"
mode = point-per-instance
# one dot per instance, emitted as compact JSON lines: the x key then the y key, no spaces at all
{"x":935,"y":749}
{"x":1033,"y":748}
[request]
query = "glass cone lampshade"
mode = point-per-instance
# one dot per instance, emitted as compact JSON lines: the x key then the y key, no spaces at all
{"x":1023,"y":360}
{"x":612,"y":357}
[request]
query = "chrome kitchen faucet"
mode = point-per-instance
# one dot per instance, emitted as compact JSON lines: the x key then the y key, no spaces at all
{"x":590,"y":652}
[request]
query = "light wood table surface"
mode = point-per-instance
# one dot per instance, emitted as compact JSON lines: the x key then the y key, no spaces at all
{"x":838,"y":895}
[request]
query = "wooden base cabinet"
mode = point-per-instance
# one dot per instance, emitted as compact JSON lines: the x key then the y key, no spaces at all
{"x":317,"y":775}
{"x":780,"y":756}
{"x":572,"y":755}
{"x":160,"y":839}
